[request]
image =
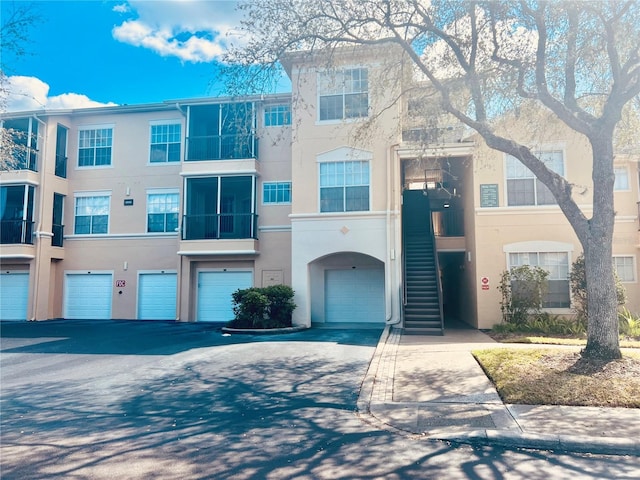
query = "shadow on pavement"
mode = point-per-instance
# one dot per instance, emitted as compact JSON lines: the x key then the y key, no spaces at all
{"x":135,"y":337}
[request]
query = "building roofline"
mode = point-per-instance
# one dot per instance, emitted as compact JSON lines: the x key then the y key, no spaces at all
{"x":145,"y":107}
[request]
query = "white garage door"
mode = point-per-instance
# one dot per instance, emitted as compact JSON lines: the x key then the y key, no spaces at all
{"x":355,"y":295}
{"x":214,"y":294}
{"x":88,"y":296}
{"x":14,"y":295}
{"x":157,"y":296}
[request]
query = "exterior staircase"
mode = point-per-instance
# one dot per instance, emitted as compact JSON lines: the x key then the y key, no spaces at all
{"x":422,"y":290}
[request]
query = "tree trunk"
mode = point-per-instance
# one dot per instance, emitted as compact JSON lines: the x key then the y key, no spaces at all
{"x":602,"y":305}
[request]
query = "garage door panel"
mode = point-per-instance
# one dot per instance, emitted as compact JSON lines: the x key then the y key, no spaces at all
{"x":14,"y":296}
{"x":355,"y":295}
{"x":214,"y":294}
{"x":88,"y":296}
{"x":157,"y":296}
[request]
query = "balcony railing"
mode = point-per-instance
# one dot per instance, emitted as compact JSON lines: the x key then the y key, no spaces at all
{"x":222,"y":226}
{"x":25,"y":159}
{"x":58,"y":234}
{"x":222,"y":147}
{"x":61,"y":166}
{"x":16,"y":232}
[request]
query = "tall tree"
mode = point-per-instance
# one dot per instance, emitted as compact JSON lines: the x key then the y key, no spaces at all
{"x":578,"y":60}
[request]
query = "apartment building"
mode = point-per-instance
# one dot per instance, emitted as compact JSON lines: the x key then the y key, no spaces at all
{"x":161,"y":211}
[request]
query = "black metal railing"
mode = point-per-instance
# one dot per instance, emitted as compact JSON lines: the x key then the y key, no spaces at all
{"x":448,"y":223}
{"x":222,"y":147}
{"x":61,"y":166}
{"x":58,"y":234}
{"x":16,"y":232}
{"x":220,"y":226}
{"x":25,"y":159}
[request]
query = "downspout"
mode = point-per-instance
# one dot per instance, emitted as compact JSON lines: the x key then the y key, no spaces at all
{"x":180,"y":227}
{"x":37,"y":233}
{"x":391,"y":253}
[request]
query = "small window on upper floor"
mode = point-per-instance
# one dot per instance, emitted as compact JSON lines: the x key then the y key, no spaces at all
{"x":622,"y":178}
{"x":343,"y":94}
{"x":274,"y":193}
{"x":165,"y":143}
{"x":94,"y":147}
{"x":277,"y":115}
{"x":523,"y":188}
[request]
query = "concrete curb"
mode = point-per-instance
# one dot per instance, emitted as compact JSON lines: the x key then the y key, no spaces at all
{"x":534,"y":441}
{"x":376,"y":392}
{"x":263,"y":331}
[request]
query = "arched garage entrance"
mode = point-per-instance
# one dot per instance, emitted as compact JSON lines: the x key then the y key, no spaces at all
{"x":347,"y":287}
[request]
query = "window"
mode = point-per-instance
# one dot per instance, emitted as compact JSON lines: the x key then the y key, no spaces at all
{"x":61,"y":151}
{"x":162,"y":211}
{"x":276,"y":192}
{"x":557,"y":264}
{"x":343,"y":94}
{"x":344,"y":186}
{"x":221,"y":132}
{"x":165,"y":143}
{"x":24,"y":149}
{"x":277,"y":115}
{"x":622,"y":178}
{"x":523,"y":188}
{"x":94,"y":147}
{"x":625,"y":268}
{"x":16,"y":214}
{"x":92,"y":214}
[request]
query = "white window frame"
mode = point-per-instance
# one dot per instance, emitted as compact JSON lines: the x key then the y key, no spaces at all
{"x":616,"y":186}
{"x":94,"y":194}
{"x":344,"y":185}
{"x":162,"y":123}
{"x":331,"y":83}
{"x":530,"y":176}
{"x":162,"y":191}
{"x":95,"y":128}
{"x":538,"y":247}
{"x":277,"y":115}
{"x":276,"y":185}
{"x":634,"y":268}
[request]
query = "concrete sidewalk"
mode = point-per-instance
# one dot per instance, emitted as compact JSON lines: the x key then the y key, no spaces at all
{"x":431,"y":386}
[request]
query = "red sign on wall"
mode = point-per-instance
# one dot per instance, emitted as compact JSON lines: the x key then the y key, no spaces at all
{"x":121,"y":283}
{"x":485,"y":283}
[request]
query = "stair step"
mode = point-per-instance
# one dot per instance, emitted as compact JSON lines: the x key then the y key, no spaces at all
{"x":422,"y":331}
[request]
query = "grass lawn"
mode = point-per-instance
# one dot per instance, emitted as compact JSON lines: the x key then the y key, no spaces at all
{"x":553,"y":376}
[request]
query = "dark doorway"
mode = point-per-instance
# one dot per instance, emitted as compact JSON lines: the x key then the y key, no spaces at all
{"x":452,"y":276}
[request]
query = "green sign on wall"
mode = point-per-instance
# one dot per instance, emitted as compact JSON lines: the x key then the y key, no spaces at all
{"x":489,"y":195}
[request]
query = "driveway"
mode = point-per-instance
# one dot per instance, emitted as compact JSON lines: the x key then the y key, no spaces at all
{"x":93,"y":400}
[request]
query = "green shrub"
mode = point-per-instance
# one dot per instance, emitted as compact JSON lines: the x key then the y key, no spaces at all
{"x":523,"y":289}
{"x":268,"y":307}
{"x":629,"y":323}
{"x":545,"y":324}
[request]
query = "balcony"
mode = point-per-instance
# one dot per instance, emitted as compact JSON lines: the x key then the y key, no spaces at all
{"x":25,"y":159}
{"x":61,"y":166}
{"x":58,"y":235}
{"x":224,"y":226}
{"x":222,"y":147}
{"x":16,"y":232}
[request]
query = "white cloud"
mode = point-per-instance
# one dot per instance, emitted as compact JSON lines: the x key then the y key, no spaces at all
{"x":123,"y":8}
{"x":191,"y":30}
{"x":31,"y":93}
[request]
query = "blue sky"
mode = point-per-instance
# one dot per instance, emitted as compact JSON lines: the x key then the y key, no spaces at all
{"x":93,"y":52}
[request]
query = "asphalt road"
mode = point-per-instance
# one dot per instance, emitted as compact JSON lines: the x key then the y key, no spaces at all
{"x":129,"y":400}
